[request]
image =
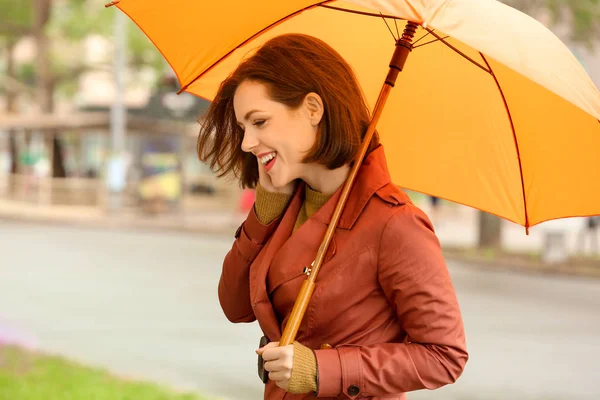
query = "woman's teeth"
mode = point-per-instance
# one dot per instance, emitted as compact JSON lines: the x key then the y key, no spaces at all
{"x":267,"y":158}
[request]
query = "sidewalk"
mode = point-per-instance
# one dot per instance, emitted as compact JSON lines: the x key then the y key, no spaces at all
{"x":217,"y":221}
{"x":457,"y":228}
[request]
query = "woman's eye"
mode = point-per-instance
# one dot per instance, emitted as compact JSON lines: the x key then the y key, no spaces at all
{"x":259,"y":123}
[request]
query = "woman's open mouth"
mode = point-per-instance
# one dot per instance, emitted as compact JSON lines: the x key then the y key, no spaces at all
{"x":268,"y":160}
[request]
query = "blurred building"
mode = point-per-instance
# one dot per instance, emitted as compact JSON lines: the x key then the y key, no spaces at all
{"x":163,"y":173}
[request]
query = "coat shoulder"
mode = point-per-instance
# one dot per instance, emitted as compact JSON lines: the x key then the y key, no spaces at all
{"x":392,"y":195}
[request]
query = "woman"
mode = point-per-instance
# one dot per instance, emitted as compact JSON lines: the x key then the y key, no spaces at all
{"x":289,"y":120}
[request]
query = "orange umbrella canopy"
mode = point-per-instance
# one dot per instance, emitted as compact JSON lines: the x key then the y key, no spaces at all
{"x":492,"y":110}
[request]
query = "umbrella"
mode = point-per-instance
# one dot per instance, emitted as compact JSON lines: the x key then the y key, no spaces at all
{"x":491,"y":109}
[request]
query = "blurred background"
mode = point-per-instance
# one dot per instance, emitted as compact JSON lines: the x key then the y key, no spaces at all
{"x":112,"y":233}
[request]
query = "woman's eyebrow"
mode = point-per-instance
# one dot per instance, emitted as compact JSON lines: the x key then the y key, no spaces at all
{"x":249,"y":114}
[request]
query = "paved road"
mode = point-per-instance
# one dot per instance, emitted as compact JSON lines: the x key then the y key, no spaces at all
{"x":145,"y":305}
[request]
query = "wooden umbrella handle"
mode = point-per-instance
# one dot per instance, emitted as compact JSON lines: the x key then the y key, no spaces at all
{"x":403,"y":49}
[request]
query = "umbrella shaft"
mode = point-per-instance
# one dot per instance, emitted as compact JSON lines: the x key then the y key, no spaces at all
{"x":403,"y":48}
{"x":291,"y":329}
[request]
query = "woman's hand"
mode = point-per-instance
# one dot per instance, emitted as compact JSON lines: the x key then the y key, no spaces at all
{"x":279,"y":362}
{"x":267,"y":183}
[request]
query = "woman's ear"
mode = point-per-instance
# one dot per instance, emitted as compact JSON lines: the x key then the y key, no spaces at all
{"x":314,"y":106}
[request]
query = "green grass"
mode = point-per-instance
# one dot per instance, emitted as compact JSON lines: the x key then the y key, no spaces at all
{"x":31,"y":376}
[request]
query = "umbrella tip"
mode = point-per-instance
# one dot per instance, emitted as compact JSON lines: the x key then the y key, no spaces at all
{"x":112,"y":3}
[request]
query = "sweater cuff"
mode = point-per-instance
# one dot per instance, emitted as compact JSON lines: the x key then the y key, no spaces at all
{"x":252,"y":235}
{"x":270,"y":205}
{"x":255,"y":231}
{"x":304,"y":371}
{"x":329,"y":370}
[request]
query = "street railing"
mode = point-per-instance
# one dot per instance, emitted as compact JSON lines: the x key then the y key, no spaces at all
{"x":92,"y":192}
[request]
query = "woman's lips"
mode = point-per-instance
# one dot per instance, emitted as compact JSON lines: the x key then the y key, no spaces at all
{"x":270,"y":164}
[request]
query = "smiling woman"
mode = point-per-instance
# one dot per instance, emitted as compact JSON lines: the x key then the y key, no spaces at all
{"x":384,"y":318}
{"x":294,"y":100}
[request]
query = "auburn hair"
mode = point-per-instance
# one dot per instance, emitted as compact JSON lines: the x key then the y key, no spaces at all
{"x":290,"y":66}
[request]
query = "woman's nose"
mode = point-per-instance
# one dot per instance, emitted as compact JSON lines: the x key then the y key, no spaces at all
{"x":249,"y":142}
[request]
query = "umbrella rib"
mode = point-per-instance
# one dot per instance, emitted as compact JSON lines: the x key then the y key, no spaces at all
{"x":512,"y":126}
{"x":431,"y":41}
{"x":421,"y":38}
{"x":441,"y":39}
{"x":390,"y":29}
{"x":279,"y":21}
{"x":360,"y":12}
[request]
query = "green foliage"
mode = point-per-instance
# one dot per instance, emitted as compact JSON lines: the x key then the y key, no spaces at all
{"x":141,"y":51}
{"x":583,"y":16}
{"x":30,"y":376}
{"x":586,"y":17}
{"x":15,"y":18}
{"x":71,"y":21}
{"x":26,"y":74}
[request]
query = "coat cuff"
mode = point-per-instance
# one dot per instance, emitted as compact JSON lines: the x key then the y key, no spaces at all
{"x":350,"y":360}
{"x":339,"y":371}
{"x":329,"y":372}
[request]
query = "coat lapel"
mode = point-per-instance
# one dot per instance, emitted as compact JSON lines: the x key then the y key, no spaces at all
{"x":263,"y":309}
{"x":298,"y":253}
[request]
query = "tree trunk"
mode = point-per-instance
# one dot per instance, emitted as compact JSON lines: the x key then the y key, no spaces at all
{"x":44,"y":81}
{"x":11,"y":105}
{"x":58,"y":165}
{"x":490,"y":231}
{"x":41,"y":16}
{"x":11,"y":95}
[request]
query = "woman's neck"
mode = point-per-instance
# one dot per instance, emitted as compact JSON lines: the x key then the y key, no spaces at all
{"x":324,"y":180}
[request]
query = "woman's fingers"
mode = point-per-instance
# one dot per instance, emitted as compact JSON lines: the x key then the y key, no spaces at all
{"x":280,"y":375}
{"x":279,"y":362}
{"x":274,"y":366}
{"x":269,"y":345}
{"x":284,"y":354}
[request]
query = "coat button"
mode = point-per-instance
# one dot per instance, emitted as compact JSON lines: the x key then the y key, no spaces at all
{"x":353,"y":390}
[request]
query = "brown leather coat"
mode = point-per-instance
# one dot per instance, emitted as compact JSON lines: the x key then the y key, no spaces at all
{"x":384,"y":299}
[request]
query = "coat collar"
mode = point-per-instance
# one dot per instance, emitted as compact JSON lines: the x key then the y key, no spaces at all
{"x":372,"y":176}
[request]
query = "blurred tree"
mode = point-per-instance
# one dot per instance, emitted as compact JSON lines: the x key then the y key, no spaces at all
{"x":14,"y":25}
{"x":582,"y":17}
{"x":59,"y":29}
{"x":15,"y":20}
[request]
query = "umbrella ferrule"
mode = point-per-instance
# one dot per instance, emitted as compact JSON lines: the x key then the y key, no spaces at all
{"x":409,"y":33}
{"x":403,"y":48}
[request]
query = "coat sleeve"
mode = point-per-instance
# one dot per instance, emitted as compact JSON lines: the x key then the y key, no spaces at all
{"x":234,"y":285}
{"x":414,"y":277}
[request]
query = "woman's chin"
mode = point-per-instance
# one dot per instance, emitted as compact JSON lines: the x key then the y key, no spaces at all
{"x":281,"y":183}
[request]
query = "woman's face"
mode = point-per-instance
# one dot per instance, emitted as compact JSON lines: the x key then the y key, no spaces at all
{"x":277,"y":135}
